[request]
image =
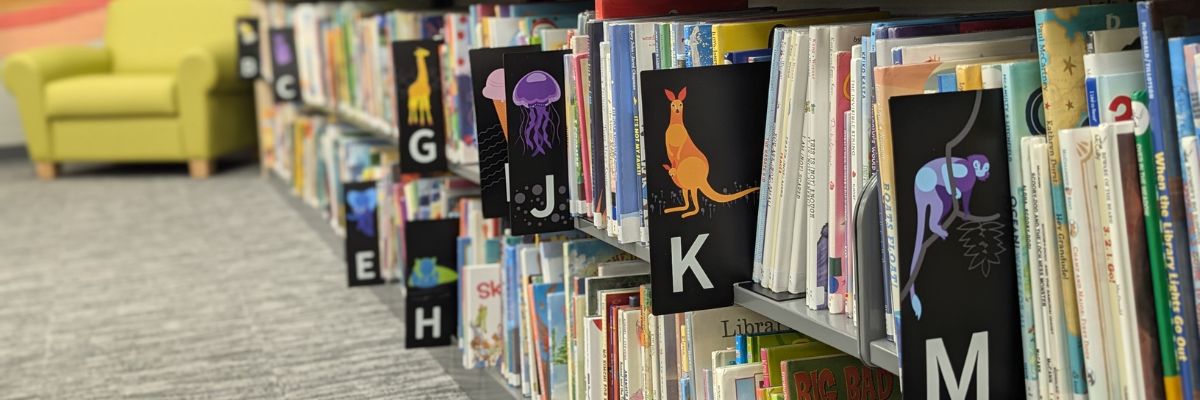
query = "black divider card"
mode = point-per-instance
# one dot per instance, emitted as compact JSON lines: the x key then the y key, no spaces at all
{"x":959,"y":321}
{"x":283,"y":65}
{"x":431,"y":270}
{"x":362,"y":242}
{"x":537,"y":154}
{"x":704,"y":142}
{"x":418,"y":91}
{"x":491,"y":111}
{"x":247,"y":53}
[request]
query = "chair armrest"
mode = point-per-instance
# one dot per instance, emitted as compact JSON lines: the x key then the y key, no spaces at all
{"x":36,"y":68}
{"x":26,"y":76}
{"x":209,"y":68}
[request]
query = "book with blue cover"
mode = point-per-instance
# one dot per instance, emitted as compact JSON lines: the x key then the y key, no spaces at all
{"x":1159,"y":20}
{"x":1182,"y":52}
{"x":557,"y":333}
{"x":540,"y":322}
{"x":626,"y":133}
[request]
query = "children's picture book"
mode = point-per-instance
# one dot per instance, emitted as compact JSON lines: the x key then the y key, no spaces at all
{"x":431,"y":283}
{"x":417,"y":69}
{"x":956,"y":240}
{"x":483,"y":333}
{"x":491,"y":120}
{"x":540,"y":322}
{"x":537,"y":180}
{"x":556,"y":318}
{"x":736,"y":382}
{"x":704,"y":162}
{"x":839,"y":376}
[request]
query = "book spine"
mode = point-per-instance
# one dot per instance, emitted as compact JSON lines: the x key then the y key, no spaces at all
{"x":1077,"y":155}
{"x":768,"y":159}
{"x":739,"y":344}
{"x":1184,"y":129}
{"x":1169,"y":190}
{"x":1013,"y":136}
{"x":1093,"y":101}
{"x":1120,"y":352}
{"x":1061,"y":226}
{"x":1172,"y":379}
{"x":1043,"y":313}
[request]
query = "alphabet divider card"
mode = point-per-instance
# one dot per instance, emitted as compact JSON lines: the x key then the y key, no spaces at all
{"x":284,"y":67}
{"x":248,"y":48}
{"x":704,"y":142}
{"x":491,"y":120}
{"x":419,"y":103}
{"x":537,"y":154}
{"x":958,"y":325}
{"x":362,"y":240}
{"x":431,"y":282}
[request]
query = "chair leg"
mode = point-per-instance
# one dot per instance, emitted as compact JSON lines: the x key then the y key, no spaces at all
{"x":45,"y":171}
{"x":200,"y":169}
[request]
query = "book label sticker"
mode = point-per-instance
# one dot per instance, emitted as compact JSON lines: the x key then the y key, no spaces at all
{"x":491,"y":121}
{"x":419,"y":103}
{"x":704,"y":143}
{"x":362,"y":243}
{"x":959,"y":321}
{"x":431,"y":277}
{"x":537,"y":154}
{"x":283,"y":65}
{"x":248,"y":46}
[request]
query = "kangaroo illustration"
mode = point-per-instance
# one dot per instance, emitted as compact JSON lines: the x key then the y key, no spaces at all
{"x":418,"y":93}
{"x":689,"y":166}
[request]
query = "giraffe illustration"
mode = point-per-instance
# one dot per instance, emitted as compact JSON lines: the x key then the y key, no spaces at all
{"x":689,"y":167}
{"x":419,"y":113}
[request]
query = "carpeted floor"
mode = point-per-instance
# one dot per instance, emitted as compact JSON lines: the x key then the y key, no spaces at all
{"x":137,"y":282}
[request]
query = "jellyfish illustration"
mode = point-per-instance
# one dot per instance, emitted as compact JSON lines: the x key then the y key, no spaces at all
{"x":362,"y":210}
{"x":535,"y":92}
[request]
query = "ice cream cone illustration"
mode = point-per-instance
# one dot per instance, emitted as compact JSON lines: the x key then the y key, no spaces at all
{"x":495,"y":90}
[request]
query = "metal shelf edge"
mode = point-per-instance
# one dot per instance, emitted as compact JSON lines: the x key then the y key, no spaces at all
{"x":832,"y":329}
{"x":883,"y":355}
{"x":639,"y":250}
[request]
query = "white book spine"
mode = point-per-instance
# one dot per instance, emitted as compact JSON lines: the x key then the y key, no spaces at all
{"x":798,"y":118}
{"x":1056,"y":317}
{"x":1131,"y":361}
{"x":1037,"y":272}
{"x":817,"y":134}
{"x":1078,"y":158}
{"x":792,"y":156}
{"x":771,"y":267}
{"x":855,"y":176}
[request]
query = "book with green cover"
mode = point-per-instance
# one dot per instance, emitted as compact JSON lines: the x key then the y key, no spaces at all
{"x":755,"y":343}
{"x":838,"y":376}
{"x":772,"y":358}
{"x":1062,"y":41}
{"x":1154,"y":240}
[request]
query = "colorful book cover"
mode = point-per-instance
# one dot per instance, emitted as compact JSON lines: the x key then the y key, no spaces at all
{"x":684,"y":149}
{"x":1182,"y":52}
{"x":838,"y":184}
{"x":484,"y":333}
{"x":709,"y":330}
{"x":582,"y":258}
{"x":1113,"y":103}
{"x":759,"y":341}
{"x":773,"y":357}
{"x":838,"y":377}
{"x":540,"y":322}
{"x":593,"y":287}
{"x":624,"y":106}
{"x":1172,"y":373}
{"x":962,"y":234}
{"x":613,"y":301}
{"x":511,"y":307}
{"x":1061,"y":34}
{"x":1159,"y":20}
{"x":633,"y":384}
{"x":1023,"y":118}
{"x":557,"y":324}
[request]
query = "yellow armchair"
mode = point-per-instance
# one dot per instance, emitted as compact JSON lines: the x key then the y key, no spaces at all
{"x":164,"y":88}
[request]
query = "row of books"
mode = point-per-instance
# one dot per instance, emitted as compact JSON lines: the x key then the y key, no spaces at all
{"x":575,"y":321}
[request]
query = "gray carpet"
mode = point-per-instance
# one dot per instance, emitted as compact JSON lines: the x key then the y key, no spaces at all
{"x":137,"y":282}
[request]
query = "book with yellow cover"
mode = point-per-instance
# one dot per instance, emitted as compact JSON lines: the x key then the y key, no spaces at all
{"x":750,"y":35}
